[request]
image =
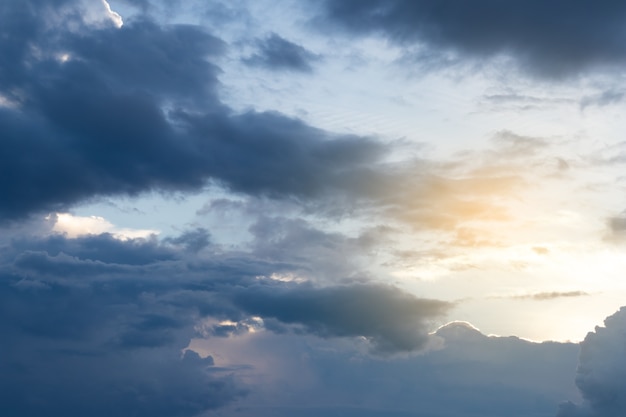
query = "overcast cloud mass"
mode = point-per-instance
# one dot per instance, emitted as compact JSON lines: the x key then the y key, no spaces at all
{"x":252,"y":208}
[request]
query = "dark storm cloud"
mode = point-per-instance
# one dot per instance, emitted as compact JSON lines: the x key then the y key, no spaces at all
{"x":87,"y":117}
{"x":272,"y":155}
{"x":546,"y":38}
{"x":393,"y":320}
{"x":100,"y":339}
{"x":277,"y":53}
{"x":96,"y":338}
{"x":601,"y":371}
{"x":97,"y":325}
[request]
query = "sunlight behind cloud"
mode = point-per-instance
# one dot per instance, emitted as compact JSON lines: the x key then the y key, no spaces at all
{"x":75,"y":226}
{"x":114,"y":16}
{"x":100,"y":14}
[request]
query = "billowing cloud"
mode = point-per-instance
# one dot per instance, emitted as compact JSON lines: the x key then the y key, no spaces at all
{"x":114,"y":116}
{"x":549,"y":39}
{"x":601,"y":371}
{"x":88,"y":334}
{"x":118,"y":313}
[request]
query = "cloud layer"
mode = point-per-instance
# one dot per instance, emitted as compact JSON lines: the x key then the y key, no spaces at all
{"x":601,"y":371}
{"x":118,"y":313}
{"x":547,"y":39}
{"x":95,"y":112}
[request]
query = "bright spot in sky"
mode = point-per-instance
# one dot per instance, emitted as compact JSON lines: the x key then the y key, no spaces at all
{"x":114,"y":16}
{"x":75,"y":226}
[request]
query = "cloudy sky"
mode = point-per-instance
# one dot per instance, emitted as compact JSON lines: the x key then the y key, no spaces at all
{"x":280,"y":208}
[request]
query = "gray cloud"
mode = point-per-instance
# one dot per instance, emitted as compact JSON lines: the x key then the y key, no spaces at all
{"x":277,"y":53}
{"x":468,"y":374}
{"x":393,"y":320}
{"x":617,"y":224}
{"x":547,"y":39}
{"x":95,"y":326}
{"x":192,"y":240}
{"x":510,"y":145}
{"x":300,"y":243}
{"x":117,"y":314}
{"x":601,"y":371}
{"x":117,"y":117}
{"x":543,"y":296}
{"x":605,"y":98}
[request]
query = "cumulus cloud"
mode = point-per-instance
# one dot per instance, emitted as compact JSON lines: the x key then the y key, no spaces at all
{"x":116,"y":117}
{"x":601,"y":371}
{"x":90,"y":336}
{"x":118,"y":313}
{"x":547,"y":39}
{"x":491,"y":376}
{"x":119,"y":118}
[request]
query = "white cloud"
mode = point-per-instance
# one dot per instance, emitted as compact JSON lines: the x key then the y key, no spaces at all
{"x":74,"y":226}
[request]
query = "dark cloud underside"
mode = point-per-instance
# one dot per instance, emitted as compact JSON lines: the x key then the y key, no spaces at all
{"x":96,"y":325}
{"x":121,"y":111}
{"x":395,"y":321}
{"x":601,"y":371}
{"x":546,"y":38}
{"x":277,"y":53}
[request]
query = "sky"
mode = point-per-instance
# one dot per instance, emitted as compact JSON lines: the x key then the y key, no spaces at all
{"x":337,"y":207}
